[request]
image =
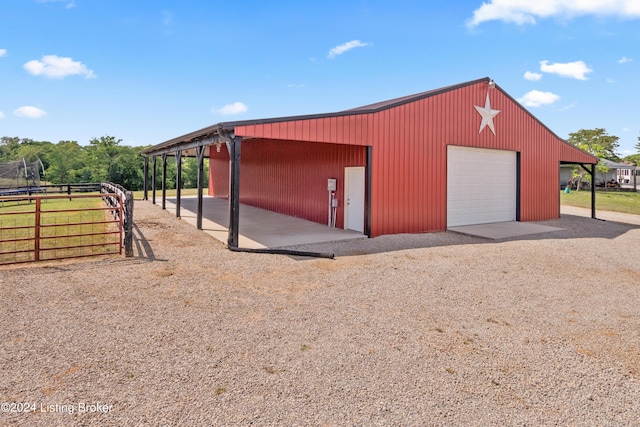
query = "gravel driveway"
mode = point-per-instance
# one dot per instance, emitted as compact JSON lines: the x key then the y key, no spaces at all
{"x":412,"y":330}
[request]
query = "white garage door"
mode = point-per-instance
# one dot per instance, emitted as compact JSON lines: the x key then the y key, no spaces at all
{"x":481,"y":186}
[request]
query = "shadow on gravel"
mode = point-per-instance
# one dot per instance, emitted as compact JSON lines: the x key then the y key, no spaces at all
{"x":573,"y":227}
{"x":143,"y":248}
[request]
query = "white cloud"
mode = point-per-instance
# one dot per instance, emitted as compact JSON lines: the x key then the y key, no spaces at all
{"x":610,"y":80}
{"x":1,"y":115}
{"x":536,"y":98}
{"x":575,"y":70}
{"x":30,"y":112}
{"x":57,"y":67}
{"x":522,"y":12}
{"x":3,"y":52}
{"x":622,"y":60}
{"x":532,"y":76}
{"x":232,"y":109}
{"x":70,"y":4}
{"x":339,"y":50}
{"x":167,"y":18}
{"x":568,"y":107}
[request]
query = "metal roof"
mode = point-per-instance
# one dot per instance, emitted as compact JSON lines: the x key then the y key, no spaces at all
{"x":194,"y":138}
{"x":614,"y":165}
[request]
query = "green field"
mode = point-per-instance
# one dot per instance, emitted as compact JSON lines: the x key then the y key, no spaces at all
{"x":138,"y":195}
{"x":615,"y":201}
{"x":22,"y":214}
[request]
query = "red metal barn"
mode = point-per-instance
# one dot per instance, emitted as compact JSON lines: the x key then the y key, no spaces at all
{"x":458,"y":155}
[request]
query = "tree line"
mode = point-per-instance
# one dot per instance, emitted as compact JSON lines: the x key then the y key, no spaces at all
{"x":602,"y":145}
{"x":103,"y":159}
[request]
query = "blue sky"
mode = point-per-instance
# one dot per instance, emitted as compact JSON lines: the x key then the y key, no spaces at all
{"x":148,"y":71}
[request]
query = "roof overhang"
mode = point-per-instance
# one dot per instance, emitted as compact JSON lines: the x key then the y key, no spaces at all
{"x":216,"y":134}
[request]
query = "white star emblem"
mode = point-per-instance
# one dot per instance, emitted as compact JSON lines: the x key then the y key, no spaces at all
{"x":487,"y":115}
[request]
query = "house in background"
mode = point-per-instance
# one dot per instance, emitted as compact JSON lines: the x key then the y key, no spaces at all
{"x":627,"y":174}
{"x":458,"y":155}
{"x":618,"y":174}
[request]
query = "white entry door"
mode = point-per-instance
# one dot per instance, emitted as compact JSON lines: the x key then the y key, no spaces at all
{"x":354,"y":198}
{"x":481,"y":186}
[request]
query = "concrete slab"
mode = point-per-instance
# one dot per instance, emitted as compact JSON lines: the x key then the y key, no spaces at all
{"x":259,"y":228}
{"x":503,"y":230}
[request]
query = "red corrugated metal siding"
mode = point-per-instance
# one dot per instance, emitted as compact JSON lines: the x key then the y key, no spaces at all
{"x":219,"y":172}
{"x":349,"y":130}
{"x":288,"y":177}
{"x":408,"y":168}
{"x":409,"y":159}
{"x":568,"y":154}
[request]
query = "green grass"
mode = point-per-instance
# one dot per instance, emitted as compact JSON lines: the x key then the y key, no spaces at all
{"x":50,"y":205}
{"x":614,"y":201}
{"x":137,"y":195}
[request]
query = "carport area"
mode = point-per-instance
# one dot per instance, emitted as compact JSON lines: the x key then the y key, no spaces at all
{"x":259,"y":228}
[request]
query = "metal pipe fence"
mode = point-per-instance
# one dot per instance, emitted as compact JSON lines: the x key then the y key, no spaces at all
{"x":125,"y":214}
{"x":60,"y":228}
{"x":51,"y":189}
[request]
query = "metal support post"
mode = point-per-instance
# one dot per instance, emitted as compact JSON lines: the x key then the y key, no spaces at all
{"x":153,"y":180}
{"x":164,"y":181}
{"x":234,"y":192}
{"x":367,"y":191}
{"x":145,"y":184}
{"x":178,"y":156}
{"x":593,"y":191}
{"x":200,"y":158}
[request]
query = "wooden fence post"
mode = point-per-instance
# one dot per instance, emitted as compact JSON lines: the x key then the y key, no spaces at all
{"x":128,"y":224}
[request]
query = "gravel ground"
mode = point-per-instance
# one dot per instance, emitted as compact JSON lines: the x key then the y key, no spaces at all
{"x":415,"y":330}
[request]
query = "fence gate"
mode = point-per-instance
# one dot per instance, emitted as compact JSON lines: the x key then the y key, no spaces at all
{"x":41,"y":228}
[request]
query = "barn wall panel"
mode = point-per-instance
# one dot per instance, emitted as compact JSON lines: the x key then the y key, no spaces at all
{"x":219,"y":172}
{"x":406,"y":188}
{"x":349,"y":130}
{"x":291,"y":177}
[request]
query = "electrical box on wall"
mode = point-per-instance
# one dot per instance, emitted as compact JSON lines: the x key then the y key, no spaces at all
{"x":332,"y":184}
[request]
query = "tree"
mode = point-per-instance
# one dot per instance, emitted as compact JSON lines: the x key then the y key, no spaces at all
{"x":9,"y":147}
{"x":110,"y":161}
{"x":632,"y":158}
{"x":190,"y":172}
{"x":102,"y":154}
{"x":637,"y":146}
{"x":596,"y":142}
{"x":67,"y":160}
{"x":127,"y":169}
{"x":32,"y":150}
